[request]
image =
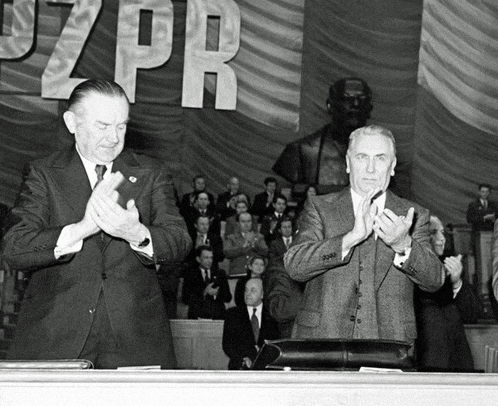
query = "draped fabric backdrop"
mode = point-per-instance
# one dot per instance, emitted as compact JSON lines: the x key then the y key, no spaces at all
{"x":290,"y":52}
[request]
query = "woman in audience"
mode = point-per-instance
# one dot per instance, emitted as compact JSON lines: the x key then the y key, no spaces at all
{"x":256,"y":267}
{"x":441,"y":343}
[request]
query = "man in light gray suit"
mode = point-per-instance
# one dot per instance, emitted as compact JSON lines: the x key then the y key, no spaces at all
{"x":361,"y":251}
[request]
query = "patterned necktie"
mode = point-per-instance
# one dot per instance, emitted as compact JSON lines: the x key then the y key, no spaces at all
{"x":100,"y":170}
{"x":255,"y":324}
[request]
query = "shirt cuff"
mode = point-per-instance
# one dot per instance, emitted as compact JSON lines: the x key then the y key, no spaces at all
{"x":148,"y":250}
{"x":63,"y":247}
{"x":457,"y":289}
{"x":400,"y":259}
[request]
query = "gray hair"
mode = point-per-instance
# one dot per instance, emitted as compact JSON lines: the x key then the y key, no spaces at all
{"x":369,"y":131}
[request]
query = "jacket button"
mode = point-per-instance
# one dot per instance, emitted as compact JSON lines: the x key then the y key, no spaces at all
{"x":104,"y":276}
{"x":352,"y":318}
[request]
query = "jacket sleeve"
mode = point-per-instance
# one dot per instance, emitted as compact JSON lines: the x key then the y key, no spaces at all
{"x":30,"y":240}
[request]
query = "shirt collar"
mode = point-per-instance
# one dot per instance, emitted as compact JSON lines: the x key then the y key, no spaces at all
{"x":90,"y":168}
{"x":380,"y":201}
{"x":259,"y":310}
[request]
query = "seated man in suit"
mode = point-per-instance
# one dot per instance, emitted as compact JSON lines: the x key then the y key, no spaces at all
{"x":247,"y":327}
{"x":270,"y":222}
{"x":202,"y":206}
{"x":243,"y":244}
{"x":263,"y":201}
{"x":204,"y":236}
{"x":187,"y":201}
{"x":205,"y":288}
{"x":282,"y":293}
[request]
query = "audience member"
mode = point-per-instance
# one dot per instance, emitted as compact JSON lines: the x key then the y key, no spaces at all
{"x":310,"y":190}
{"x":202,"y":207}
{"x":481,"y":213}
{"x":240,"y":246}
{"x":441,"y":343}
{"x":320,"y":158}
{"x":223,"y":202}
{"x":263,"y":202}
{"x":204,"y":236}
{"x":282,"y":293}
{"x":94,"y":294}
{"x":270,"y":222}
{"x":205,"y":288}
{"x":256,"y":267}
{"x":247,"y":327}
{"x":187,"y":202}
{"x":231,"y":226}
{"x":362,"y":250}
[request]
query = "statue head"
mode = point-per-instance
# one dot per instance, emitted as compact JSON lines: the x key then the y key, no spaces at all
{"x":349,"y":103}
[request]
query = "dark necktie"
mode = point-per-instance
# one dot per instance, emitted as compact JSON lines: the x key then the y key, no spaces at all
{"x":100,"y":170}
{"x":255,"y":325}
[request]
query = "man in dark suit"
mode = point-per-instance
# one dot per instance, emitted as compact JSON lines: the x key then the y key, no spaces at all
{"x":282,"y":293}
{"x":362,"y":250}
{"x":247,"y":327}
{"x":263,"y":202}
{"x":93,"y":292}
{"x":481,"y":213}
{"x":270,"y":223}
{"x":187,"y":201}
{"x":205,"y":288}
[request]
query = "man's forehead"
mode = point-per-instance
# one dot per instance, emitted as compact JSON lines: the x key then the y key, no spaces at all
{"x":373,"y":144}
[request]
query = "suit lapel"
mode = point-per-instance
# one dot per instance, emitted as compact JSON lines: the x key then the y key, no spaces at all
{"x":70,"y":178}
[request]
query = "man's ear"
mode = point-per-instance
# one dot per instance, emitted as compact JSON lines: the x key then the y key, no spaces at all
{"x":70,"y":120}
{"x":393,"y":164}
{"x":348,"y":170}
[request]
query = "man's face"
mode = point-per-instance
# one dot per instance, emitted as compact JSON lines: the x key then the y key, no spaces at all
{"x":280,"y":205}
{"x":484,"y":193}
{"x":202,"y":201}
{"x":286,"y":228}
{"x":202,"y":225}
{"x":98,"y":123}
{"x":370,"y":163}
{"x":233,"y":186}
{"x":271,"y":187}
{"x":199,"y":184}
{"x":438,"y":239}
{"x":206,"y":259}
{"x":245,"y":222}
{"x":241,"y":207}
{"x":253,"y":295}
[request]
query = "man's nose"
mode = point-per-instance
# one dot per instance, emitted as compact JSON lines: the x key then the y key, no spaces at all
{"x":371,"y":166}
{"x":112,"y":134}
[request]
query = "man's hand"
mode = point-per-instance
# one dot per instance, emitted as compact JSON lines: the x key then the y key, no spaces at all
{"x":453,"y":267}
{"x":394,"y":230}
{"x":363,"y":221}
{"x":209,"y":290}
{"x":109,"y":216}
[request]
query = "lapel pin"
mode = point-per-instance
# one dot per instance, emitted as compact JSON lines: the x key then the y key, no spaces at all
{"x":132,"y":179}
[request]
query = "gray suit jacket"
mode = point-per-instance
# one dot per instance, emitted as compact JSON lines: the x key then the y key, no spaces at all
{"x":56,"y":313}
{"x":363,"y":295}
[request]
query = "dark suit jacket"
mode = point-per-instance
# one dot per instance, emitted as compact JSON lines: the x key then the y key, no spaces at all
{"x":238,"y":338}
{"x":205,"y":307}
{"x":214,"y":241}
{"x":57,"y":310}
{"x":363,"y":295}
{"x":266,"y":227}
{"x":441,"y":343}
{"x":260,"y":207}
{"x":476,"y":213}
